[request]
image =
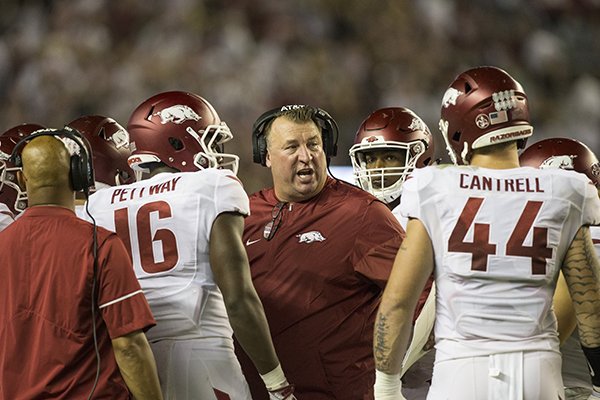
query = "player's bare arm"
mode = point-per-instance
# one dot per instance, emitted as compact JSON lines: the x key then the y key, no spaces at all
{"x":229,"y":263}
{"x":563,"y":308}
{"x":580,"y":269}
{"x":412,"y":267}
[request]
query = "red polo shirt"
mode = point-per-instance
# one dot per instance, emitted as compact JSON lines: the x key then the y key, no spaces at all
{"x":46,"y":343}
{"x":320,"y":280}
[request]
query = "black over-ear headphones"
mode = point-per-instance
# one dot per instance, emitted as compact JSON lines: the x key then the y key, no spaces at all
{"x":82,"y":169}
{"x":329,"y":132}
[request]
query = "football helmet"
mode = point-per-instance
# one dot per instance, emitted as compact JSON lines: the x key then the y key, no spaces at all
{"x":390,"y":129}
{"x":562,"y":153}
{"x":110,"y":149}
{"x":482,"y":107}
{"x":11,"y":193}
{"x":181,"y":130}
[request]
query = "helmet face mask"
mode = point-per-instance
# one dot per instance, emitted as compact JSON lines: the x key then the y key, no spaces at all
{"x":384,"y":182}
{"x":11,"y":193}
{"x":10,"y":189}
{"x":393,"y":132}
{"x":213,"y":153}
{"x":484,"y":106}
{"x":181,"y":130}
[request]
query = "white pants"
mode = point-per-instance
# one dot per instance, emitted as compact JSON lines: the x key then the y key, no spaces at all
{"x":533,"y":375}
{"x":199,"y":369}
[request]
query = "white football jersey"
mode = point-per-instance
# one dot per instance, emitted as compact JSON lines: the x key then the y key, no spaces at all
{"x":595,"y":234}
{"x":165,"y":222}
{"x":6,"y":216}
{"x":401,"y":218}
{"x":81,"y":212}
{"x":499,"y":239}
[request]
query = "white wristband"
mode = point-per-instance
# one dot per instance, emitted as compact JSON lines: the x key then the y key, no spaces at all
{"x":275,"y":379}
{"x":387,"y":387}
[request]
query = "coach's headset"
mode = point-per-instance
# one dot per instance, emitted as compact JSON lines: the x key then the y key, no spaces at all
{"x":329,"y":131}
{"x":82,"y":170}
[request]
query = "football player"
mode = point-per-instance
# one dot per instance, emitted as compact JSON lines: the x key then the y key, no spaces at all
{"x":183,"y":227}
{"x":573,"y":155}
{"x":496,"y":236}
{"x":388,"y":145}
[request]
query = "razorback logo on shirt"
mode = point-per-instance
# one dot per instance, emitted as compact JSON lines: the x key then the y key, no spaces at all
{"x":309,"y":237}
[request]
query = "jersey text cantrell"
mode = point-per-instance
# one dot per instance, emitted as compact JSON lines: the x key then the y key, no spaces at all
{"x":478,"y":182}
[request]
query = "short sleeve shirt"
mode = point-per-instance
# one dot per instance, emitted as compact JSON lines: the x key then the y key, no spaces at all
{"x":499,"y":239}
{"x":166,"y":222}
{"x":46,"y":341}
{"x":320,"y":280}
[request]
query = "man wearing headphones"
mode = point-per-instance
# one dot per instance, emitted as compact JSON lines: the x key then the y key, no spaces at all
{"x":320,"y":252}
{"x":72,"y":314}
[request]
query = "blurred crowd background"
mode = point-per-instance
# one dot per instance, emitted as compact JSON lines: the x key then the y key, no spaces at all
{"x":64,"y":58}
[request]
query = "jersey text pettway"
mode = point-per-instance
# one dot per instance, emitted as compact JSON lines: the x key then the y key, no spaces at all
{"x":476,"y":182}
{"x":124,"y":194}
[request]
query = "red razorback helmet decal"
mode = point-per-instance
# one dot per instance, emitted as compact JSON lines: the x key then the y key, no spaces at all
{"x":110,"y":149}
{"x":482,"y":107}
{"x":11,"y":193}
{"x":181,"y":130}
{"x":392,"y":128}
{"x":562,"y":153}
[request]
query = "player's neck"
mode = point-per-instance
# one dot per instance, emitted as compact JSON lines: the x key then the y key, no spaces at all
{"x":501,"y":158}
{"x":161,"y":169}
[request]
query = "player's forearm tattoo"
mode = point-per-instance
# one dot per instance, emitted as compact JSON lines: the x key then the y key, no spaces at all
{"x":581,"y":273}
{"x":381,"y":348}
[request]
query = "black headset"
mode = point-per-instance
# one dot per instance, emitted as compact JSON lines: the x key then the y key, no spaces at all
{"x":329,"y":131}
{"x":82,"y":169}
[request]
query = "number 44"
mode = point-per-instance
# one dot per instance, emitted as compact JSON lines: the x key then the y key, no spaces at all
{"x":481,"y":247}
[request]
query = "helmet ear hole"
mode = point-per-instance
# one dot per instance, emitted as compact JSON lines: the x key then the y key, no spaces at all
{"x":176,"y":143}
{"x":456,"y":136}
{"x":468,"y":87}
{"x":124,"y":176}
